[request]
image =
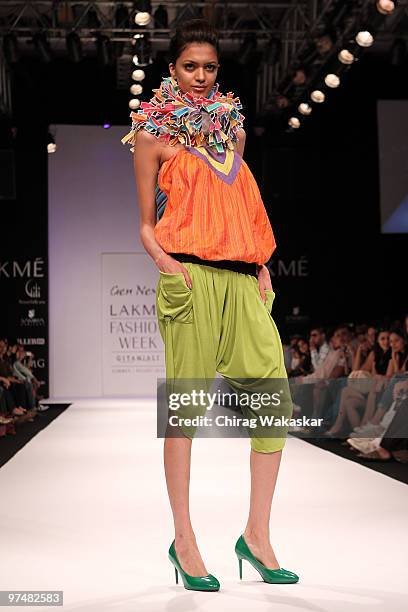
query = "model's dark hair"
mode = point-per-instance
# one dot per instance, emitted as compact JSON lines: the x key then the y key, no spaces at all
{"x":192,"y":31}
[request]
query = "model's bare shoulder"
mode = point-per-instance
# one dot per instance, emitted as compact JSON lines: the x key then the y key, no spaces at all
{"x":146,"y":139}
{"x":147,"y":147}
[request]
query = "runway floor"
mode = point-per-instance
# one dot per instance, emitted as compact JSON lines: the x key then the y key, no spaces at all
{"x":85,"y":510}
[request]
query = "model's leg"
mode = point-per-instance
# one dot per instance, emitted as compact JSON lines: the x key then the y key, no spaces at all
{"x":177,"y":460}
{"x":254,"y":352}
{"x":187,"y":338}
{"x":264,"y":473}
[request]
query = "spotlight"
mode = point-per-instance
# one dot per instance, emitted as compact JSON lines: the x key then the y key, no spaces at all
{"x":346,"y":57}
{"x":42,"y":46}
{"x":142,"y":19}
{"x":10,"y":48}
{"x":142,"y":48}
{"x":318,"y":96}
{"x":161,"y":18}
{"x":294,"y":122}
{"x":305,"y":108}
{"x":136,"y":89}
{"x":134,"y":103}
{"x":332,"y":80}
{"x":385,"y":7}
{"x":106,"y":126}
{"x":74,"y":47}
{"x":104,"y":49}
{"x":364,"y":39}
{"x":138,"y":75}
{"x":51,"y":145}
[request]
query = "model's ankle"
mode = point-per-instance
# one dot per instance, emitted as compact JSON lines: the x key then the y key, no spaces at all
{"x":185,"y":536}
{"x":255,"y":534}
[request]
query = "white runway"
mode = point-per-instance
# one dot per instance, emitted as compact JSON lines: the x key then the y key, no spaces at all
{"x":85,"y":510}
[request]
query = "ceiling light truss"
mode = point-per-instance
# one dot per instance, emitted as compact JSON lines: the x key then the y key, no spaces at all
{"x":234,"y":19}
{"x":344,"y":17}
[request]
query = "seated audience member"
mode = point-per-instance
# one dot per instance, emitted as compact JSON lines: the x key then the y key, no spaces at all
{"x":378,"y":358}
{"x":381,"y":397}
{"x":338,"y":361}
{"x":301,"y":360}
{"x":391,"y":438}
{"x":14,"y":388}
{"x":26,"y":375}
{"x":327,"y":378}
{"x":363,"y":347}
{"x":319,"y":348}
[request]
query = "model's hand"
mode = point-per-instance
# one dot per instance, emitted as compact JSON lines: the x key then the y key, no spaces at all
{"x":264,"y":281}
{"x":168,"y":264}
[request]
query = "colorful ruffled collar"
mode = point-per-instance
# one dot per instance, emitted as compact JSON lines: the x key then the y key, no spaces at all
{"x":174,"y":116}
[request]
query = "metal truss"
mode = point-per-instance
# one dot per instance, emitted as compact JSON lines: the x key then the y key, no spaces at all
{"x":5,"y":88}
{"x":342,"y":16}
{"x":283,"y":30}
{"x":58,"y":18}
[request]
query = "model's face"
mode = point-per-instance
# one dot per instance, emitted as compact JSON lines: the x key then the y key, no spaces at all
{"x":196,"y":69}
{"x":384,"y":340}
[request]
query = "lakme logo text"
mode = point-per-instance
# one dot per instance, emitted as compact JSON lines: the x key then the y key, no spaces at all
{"x":25,"y":269}
{"x":133,"y":322}
{"x":31,"y":320}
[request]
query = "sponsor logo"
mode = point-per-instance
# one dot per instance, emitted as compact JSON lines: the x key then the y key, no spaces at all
{"x":26,"y":269}
{"x":32,"y":341}
{"x":32,"y":289}
{"x":31,"y":320}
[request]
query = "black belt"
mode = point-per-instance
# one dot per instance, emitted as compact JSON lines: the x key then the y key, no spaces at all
{"x":244,"y":267}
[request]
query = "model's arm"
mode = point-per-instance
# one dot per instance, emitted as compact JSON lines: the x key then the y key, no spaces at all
{"x":146,"y":162}
{"x":241,"y":141}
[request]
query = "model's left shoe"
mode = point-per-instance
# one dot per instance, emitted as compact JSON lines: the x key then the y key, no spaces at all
{"x":273,"y":576}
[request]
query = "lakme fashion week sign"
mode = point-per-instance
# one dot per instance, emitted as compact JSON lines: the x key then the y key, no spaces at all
{"x":132,"y":348}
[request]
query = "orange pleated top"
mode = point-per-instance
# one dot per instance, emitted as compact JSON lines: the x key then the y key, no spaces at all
{"x":214,"y":209}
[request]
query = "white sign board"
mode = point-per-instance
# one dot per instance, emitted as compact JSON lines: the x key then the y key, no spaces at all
{"x":132,"y":348}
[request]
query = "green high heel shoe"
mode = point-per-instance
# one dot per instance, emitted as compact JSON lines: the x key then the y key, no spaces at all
{"x":193,"y":583}
{"x":273,"y":576}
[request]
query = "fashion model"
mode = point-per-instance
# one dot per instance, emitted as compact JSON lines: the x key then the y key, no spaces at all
{"x":214,"y":293}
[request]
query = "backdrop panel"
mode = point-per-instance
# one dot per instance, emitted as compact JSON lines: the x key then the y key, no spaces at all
{"x":92,"y":210}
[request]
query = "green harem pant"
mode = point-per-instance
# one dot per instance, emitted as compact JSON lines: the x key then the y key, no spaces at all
{"x":221,"y":325}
